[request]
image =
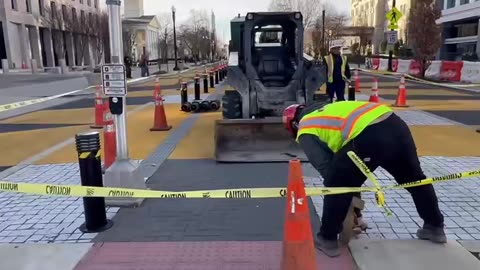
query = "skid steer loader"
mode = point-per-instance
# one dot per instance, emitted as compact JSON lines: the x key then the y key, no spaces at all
{"x":268,"y":71}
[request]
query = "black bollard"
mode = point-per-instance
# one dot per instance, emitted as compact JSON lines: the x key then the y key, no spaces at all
{"x":197,"y":88}
{"x":222,"y":74}
{"x":88,"y":149}
{"x":351,"y":93}
{"x":212,"y":82}
{"x":205,"y":83}
{"x":183,"y":93}
{"x":217,"y":77}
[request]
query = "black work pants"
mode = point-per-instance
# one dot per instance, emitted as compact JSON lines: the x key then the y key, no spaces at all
{"x":387,"y":144}
{"x":337,"y":89}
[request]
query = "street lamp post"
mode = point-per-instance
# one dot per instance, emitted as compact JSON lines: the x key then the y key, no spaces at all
{"x":175,"y":39}
{"x":390,"y":52}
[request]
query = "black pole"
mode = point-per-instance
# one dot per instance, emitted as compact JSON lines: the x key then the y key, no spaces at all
{"x":88,"y":149}
{"x":184,"y":93}
{"x":323,"y":29}
{"x":217,"y":77}
{"x":205,"y":83}
{"x":351,"y":93}
{"x":212,"y":82}
{"x":175,"y":41}
{"x":197,"y":88}
{"x":390,"y":53}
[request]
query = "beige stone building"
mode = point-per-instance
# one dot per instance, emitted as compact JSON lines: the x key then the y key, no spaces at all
{"x":372,"y":13}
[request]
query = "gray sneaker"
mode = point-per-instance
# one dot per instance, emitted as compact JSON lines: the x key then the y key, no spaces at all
{"x":434,"y":234}
{"x":329,"y":247}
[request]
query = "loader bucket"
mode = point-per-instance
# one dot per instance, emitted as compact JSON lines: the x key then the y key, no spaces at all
{"x":254,"y":140}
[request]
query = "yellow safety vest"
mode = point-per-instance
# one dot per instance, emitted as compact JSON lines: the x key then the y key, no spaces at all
{"x":331,"y":66}
{"x":338,"y":123}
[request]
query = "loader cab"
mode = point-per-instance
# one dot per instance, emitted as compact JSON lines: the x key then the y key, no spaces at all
{"x":275,"y":43}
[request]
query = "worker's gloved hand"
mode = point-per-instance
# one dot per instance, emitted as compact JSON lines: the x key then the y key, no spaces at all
{"x":361,"y":224}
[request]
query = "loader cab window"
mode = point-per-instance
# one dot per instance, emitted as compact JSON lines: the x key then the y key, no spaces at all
{"x":274,"y":53}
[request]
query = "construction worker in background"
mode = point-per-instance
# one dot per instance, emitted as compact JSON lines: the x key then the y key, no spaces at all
{"x":338,"y":71}
{"x":326,"y":132}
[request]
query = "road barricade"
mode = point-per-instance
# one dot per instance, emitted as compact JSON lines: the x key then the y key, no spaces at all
{"x":470,"y":72}
{"x":448,"y":71}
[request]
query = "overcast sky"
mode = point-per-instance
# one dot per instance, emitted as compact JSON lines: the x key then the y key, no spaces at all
{"x":224,"y":10}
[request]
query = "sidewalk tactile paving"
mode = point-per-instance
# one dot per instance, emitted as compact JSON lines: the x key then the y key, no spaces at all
{"x":183,"y":255}
{"x":459,"y":201}
{"x":162,"y":152}
{"x":43,"y":219}
{"x":422,"y":118}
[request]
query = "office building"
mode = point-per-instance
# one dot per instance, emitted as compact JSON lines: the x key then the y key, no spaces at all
{"x":25,"y":34}
{"x":461,"y":29}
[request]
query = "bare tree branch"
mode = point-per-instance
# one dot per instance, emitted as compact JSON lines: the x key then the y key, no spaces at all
{"x":101,"y":35}
{"x":55,"y":21}
{"x":166,"y":34}
{"x":129,"y":36}
{"x":310,"y":9}
{"x":424,"y":31}
{"x":194,"y":34}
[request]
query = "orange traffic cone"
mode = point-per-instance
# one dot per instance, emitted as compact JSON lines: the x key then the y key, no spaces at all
{"x":298,"y":246}
{"x":402,"y":94}
{"x":374,"y":96}
{"x":109,"y":138}
{"x":159,"y":118}
{"x":99,"y":109}
{"x":357,"y":81}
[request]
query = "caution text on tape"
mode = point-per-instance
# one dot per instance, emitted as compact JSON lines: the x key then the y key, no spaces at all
{"x":242,"y":193}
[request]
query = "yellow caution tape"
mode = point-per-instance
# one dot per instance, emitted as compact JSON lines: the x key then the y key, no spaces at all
{"x":434,"y":180}
{"x":276,"y":192}
{"x":20,"y":104}
{"x":379,"y":194}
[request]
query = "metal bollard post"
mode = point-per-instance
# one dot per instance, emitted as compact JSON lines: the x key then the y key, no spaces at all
{"x":217,"y":76}
{"x":205,"y":83}
{"x":212,"y":82}
{"x":221,"y":74}
{"x":351,"y":93}
{"x":197,"y":88}
{"x":184,"y":93}
{"x":88,"y":149}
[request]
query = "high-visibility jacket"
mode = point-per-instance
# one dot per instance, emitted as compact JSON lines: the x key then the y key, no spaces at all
{"x":338,"y":123}
{"x":331,"y":66}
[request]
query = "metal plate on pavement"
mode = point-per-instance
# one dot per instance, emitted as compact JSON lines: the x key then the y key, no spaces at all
{"x":114,"y":80}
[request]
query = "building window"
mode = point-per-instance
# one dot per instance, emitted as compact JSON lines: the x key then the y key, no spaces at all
{"x":81,"y":1}
{"x":95,"y":3}
{"x":64,"y":12}
{"x":28,"y":5}
{"x":82,"y":16}
{"x":463,"y":2}
{"x":74,"y":14}
{"x":14,"y":4}
{"x":451,"y":3}
{"x":40,"y":6}
{"x":89,"y":3}
{"x":53,"y":9}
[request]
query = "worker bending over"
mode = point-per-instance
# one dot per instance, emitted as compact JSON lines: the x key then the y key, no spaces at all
{"x":381,"y":139}
{"x":338,"y":71}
